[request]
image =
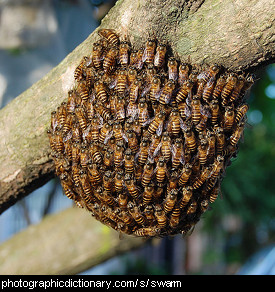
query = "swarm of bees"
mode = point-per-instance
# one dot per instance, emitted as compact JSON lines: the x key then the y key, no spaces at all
{"x":143,"y":140}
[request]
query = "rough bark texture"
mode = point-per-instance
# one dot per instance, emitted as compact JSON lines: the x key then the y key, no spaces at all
{"x":69,"y":242}
{"x":237,"y":34}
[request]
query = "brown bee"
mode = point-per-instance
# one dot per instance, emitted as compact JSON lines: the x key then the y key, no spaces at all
{"x":154,"y":145}
{"x":241,"y":112}
{"x":212,"y":71}
{"x":208,"y":89}
{"x":190,"y":139}
{"x":119,"y":182}
{"x":135,"y":90}
{"x":149,"y":51}
{"x":139,"y":59}
{"x":110,"y":60}
{"x":81,"y":116}
{"x":149,"y":75}
{"x":205,"y":115}
{"x":154,"y":92}
{"x":58,"y":142}
{"x":118,"y":154}
{"x":192,"y":208}
{"x":110,"y":36}
{"x":229,"y":116}
{"x":121,"y":84}
{"x":147,"y":194}
{"x":124,"y":53}
{"x":118,"y":132}
{"x":136,"y":214}
{"x":108,"y":159}
{"x":78,"y":72}
{"x":160,"y":216}
{"x":170,"y":201}
{"x":83,"y":90}
{"x":166,"y":146}
{"x":62,"y":114}
{"x":75,"y":152}
{"x":160,"y":55}
{"x":147,"y":174}
{"x":132,"y":74}
{"x":219,"y":87}
{"x":167,"y":92}
{"x":177,"y":153}
{"x":185,"y":174}
{"x":201,"y":178}
{"x":184,"y":110}
{"x":71,"y":102}
{"x":220,"y":140}
{"x":161,"y":170}
{"x":157,"y":124}
{"x":143,"y":114}
{"x":202,"y":151}
{"x":143,"y":152}
{"x":235,"y":137}
{"x":147,"y":231}
{"x":172,"y":65}
{"x":175,"y":123}
{"x":122,"y":201}
{"x":211,"y":145}
{"x":67,"y":186}
{"x":132,"y":141}
{"x":131,"y":186}
{"x":101,"y":92}
{"x":94,"y":129}
{"x":218,"y":165}
{"x":229,"y":86}
{"x":94,"y":174}
{"x":187,"y":193}
{"x":97,"y":56}
{"x":105,"y":133}
{"x":174,"y":217}
{"x":87,"y":188}
{"x":95,"y":153}
{"x":129,"y":161}
{"x":184,"y":70}
{"x":84,"y":156}
{"x":214,"y":194}
{"x":149,"y":214}
{"x":196,"y":110}
{"x":237,"y":89}
{"x":108,"y":182}
{"x":184,"y":91}
{"x":215,"y":110}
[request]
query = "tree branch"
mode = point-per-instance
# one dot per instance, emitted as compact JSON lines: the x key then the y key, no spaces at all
{"x":237,"y":34}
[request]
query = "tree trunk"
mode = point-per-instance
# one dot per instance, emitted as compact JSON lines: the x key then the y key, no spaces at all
{"x":237,"y":34}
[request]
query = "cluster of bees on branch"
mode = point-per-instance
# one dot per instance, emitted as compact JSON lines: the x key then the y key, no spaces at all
{"x":143,"y":140}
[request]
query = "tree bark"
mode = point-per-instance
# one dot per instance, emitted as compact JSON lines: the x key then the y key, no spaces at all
{"x":68,"y":243}
{"x":236,"y":34}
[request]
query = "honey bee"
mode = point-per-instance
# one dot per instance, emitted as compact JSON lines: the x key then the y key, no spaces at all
{"x":170,"y":201}
{"x":187,"y":193}
{"x":110,"y":59}
{"x":147,"y":231}
{"x":196,"y":110}
{"x":175,"y":122}
{"x":67,"y":186}
{"x":84,"y":156}
{"x":94,"y":174}
{"x":149,"y":51}
{"x":157,"y":124}
{"x":161,"y":170}
{"x":227,"y":89}
{"x":184,"y":91}
{"x":122,"y":201}
{"x":237,"y":89}
{"x":190,"y":139}
{"x":119,"y":182}
{"x":192,"y":208}
{"x":174,"y":217}
{"x":215,"y":110}
{"x":108,"y":159}
{"x":184,"y":110}
{"x":62,"y":114}
{"x":202,"y":151}
{"x":177,"y":153}
{"x":132,"y":141}
{"x":118,"y":154}
{"x":95,"y":153}
{"x":97,"y":55}
{"x":172,"y":65}
{"x":143,"y":152}
{"x":87,"y":188}
{"x":81,"y":116}
{"x":184,"y":70}
{"x":150,"y":74}
{"x":82,"y":90}
{"x":235,"y":137}
{"x":201,"y":178}
{"x":147,"y":174}
{"x":211,"y":145}
{"x":219,"y":87}
{"x":105,"y":133}
{"x":160,"y":55}
{"x":218,"y":165}
{"x":143,"y":114}
{"x":214,"y":194}
{"x":75,"y":152}
{"x":139,"y":59}
{"x":124,"y":53}
{"x":101,"y":92}
{"x":78,"y":72}
{"x":205,"y":114}
{"x":129,"y":162}
{"x":211,"y":72}
{"x":154,"y":145}
{"x":94,"y":129}
{"x":149,"y":214}
{"x":121,"y":84}
{"x":136,"y":214}
{"x":118,"y":132}
{"x":167,"y":92}
{"x":220,"y":140}
{"x":166,"y":146}
{"x":154,"y":92}
{"x":58,"y":142}
{"x":185,"y":174}
{"x":208,"y":89}
{"x":229,"y":116}
{"x":132,"y":74}
{"x":131,"y":186}
{"x":147,"y":194}
{"x":62,"y":164}
{"x":241,"y":112}
{"x":135,"y":90}
{"x":110,"y":36}
{"x":160,"y":216}
{"x":108,"y":183}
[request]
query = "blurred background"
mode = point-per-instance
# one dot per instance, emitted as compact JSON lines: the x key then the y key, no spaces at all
{"x":237,"y":236}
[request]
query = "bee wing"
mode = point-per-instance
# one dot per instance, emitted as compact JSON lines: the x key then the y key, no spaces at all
{"x":157,"y":149}
{"x":159,"y":129}
{"x":132,"y":111}
{"x":108,"y":136}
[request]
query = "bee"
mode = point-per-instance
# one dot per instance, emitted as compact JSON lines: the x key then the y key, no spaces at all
{"x":184,"y":91}
{"x":108,"y":182}
{"x":205,"y":114}
{"x":58,"y":142}
{"x":132,"y":141}
{"x":147,"y":194}
{"x":95,"y":129}
{"x":173,"y":181}
{"x":217,"y":167}
{"x":129,"y":162}
{"x":118,"y":154}
{"x":202,"y":151}
{"x":149,"y":51}
{"x":192,"y":208}
{"x":160,"y":55}
{"x":190,"y":139}
{"x":170,"y":201}
{"x":67,"y":186}
{"x":78,"y":72}
{"x":201,"y":178}
{"x":135,"y":90}
{"x":75,"y":152}
{"x":184,"y":110}
{"x":94,"y":174}
{"x":118,"y":132}
{"x":215,"y":110}
{"x":108,"y":159}
{"x":62,"y":164}
{"x":87,"y":188}
{"x":81,"y":116}
{"x":110,"y":36}
{"x":120,"y":108}
{"x":136,"y":214}
{"x":175,"y":122}
{"x":147,"y":231}
{"x":241,"y":112}
{"x":75,"y":174}
{"x":157,"y":124}
{"x":97,"y":55}
{"x":138,"y":64}
{"x":122,"y":201}
{"x":235,"y":137}
{"x":229,"y":116}
{"x":208,"y":89}
{"x":174,"y":217}
{"x":150,"y":74}
{"x":220,"y":140}
{"x":219,"y":87}
{"x":154,"y":145}
{"x":84,"y":156}
{"x":132,"y":74}
{"x":121,"y":84}
{"x":177,"y":153}
{"x":71,"y":102}
{"x":76,"y":132}
{"x":214,"y":194}
{"x":110,"y":59}
{"x":185,"y":174}
{"x":131,"y":186}
{"x":167,"y":92}
{"x":143,"y":114}
{"x":196,"y":110}
{"x":95,"y":153}
{"x":184,"y":70}
{"x":161,"y":170}
{"x":172,"y":65}
{"x":211,"y":72}
{"x":154,"y":92}
{"x":101,"y":92}
{"x":187,"y":193}
{"x":166,"y":146}
{"x":227,"y":89}
{"x":62,"y":114}
{"x":83,"y":91}
{"x":119,"y":182}
{"x":124,"y":53}
{"x":211,"y":137}
{"x":147,"y":174}
{"x":160,"y":216}
{"x":237,"y":89}
{"x":105,"y":133}
{"x":149,"y":214}
{"x":143,"y":152}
